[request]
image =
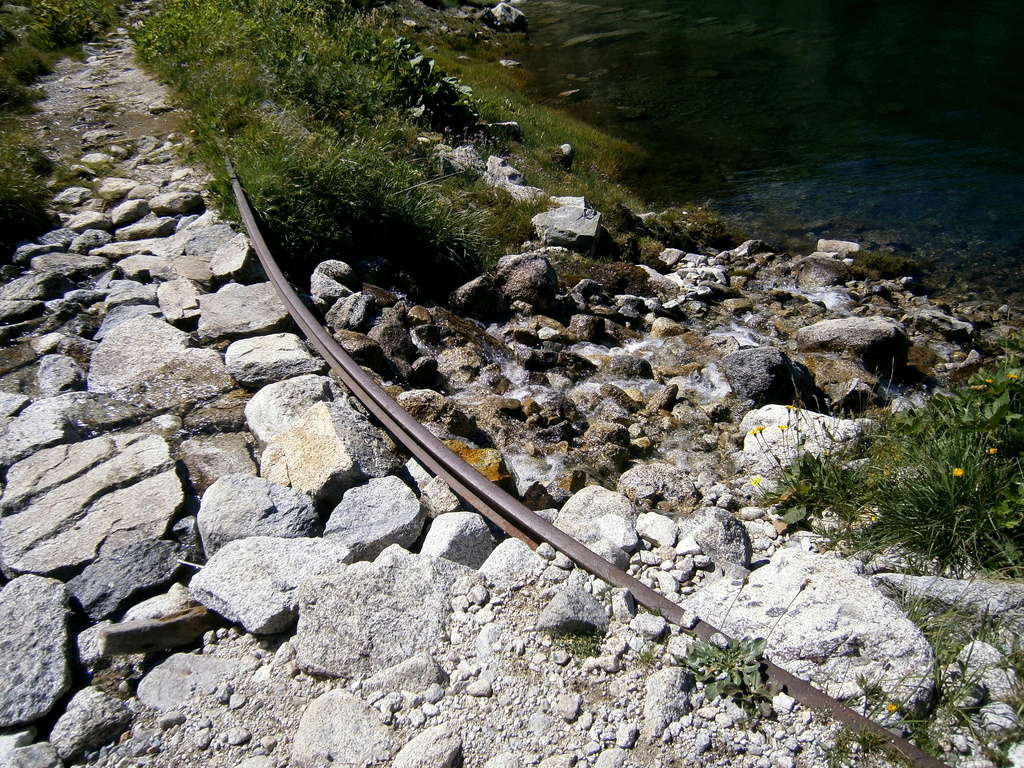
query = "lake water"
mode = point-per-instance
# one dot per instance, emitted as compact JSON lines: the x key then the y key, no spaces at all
{"x":898,"y":124}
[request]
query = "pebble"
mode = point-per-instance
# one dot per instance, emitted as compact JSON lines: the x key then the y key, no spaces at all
{"x":481,"y":687}
{"x":239,"y":736}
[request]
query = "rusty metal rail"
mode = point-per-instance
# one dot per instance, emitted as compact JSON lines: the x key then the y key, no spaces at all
{"x":510,"y":514}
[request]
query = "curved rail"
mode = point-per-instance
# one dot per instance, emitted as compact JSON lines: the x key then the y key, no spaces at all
{"x":510,"y":514}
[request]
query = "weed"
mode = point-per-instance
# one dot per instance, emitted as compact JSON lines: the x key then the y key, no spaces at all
{"x":878,"y":265}
{"x":852,"y":747}
{"x":582,"y":645}
{"x":732,"y":669}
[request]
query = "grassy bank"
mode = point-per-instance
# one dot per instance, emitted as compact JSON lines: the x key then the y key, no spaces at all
{"x":332,"y":118}
{"x":942,"y":485}
{"x":32,"y":37}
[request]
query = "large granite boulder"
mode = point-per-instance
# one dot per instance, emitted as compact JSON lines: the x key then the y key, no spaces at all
{"x":264,"y":359}
{"x":603,"y":520}
{"x":277,"y":406}
{"x":65,"y":506}
{"x":879,"y":343}
{"x":765,"y":375}
{"x":238,"y":310}
{"x":372,"y":517}
{"x":528,"y":277}
{"x":573,"y":224}
{"x":826,"y":623}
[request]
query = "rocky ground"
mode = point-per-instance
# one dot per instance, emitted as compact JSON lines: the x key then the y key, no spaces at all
{"x":168,"y":441}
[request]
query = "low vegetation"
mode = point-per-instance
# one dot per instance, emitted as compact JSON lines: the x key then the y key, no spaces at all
{"x":32,"y":36}
{"x":942,"y":485}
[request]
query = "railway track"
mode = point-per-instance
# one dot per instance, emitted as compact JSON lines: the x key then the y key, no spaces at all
{"x":510,"y":514}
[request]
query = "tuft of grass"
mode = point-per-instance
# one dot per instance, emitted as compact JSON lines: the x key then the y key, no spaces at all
{"x":879,"y":265}
{"x":943,"y":484}
{"x":581,"y":645}
{"x":23,"y":193}
{"x":862,"y":748}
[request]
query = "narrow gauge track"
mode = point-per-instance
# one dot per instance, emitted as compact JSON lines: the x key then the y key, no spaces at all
{"x":510,"y":514}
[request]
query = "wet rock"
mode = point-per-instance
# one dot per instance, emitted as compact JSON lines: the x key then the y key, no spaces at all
{"x":837,"y":629}
{"x":69,"y":504}
{"x":505,"y":17}
{"x":330,"y":448}
{"x":479,"y":298}
{"x":374,"y":516}
{"x":265,"y":359}
{"x":603,"y":520}
{"x":394,"y":340}
{"x":254,"y":581}
{"x":437,"y":747}
{"x":411,"y":596}
{"x":147,"y":361}
{"x":17,"y":311}
{"x":573,"y":610}
{"x":330,"y":281}
{"x":33,"y":648}
{"x":171,"y":684}
{"x":462,"y":537}
{"x":209,"y":457}
{"x":879,"y":343}
{"x":432,"y":408}
{"x":936,"y":321}
{"x":574,"y":224}
{"x":276,"y":407}
{"x":339,"y":729}
{"x":459,"y":366}
{"x":654,"y":485}
{"x":765,"y":375}
{"x":111,"y":581}
{"x":241,"y":310}
{"x":357,"y":312}
{"x":238,"y":506}
{"x":822,"y":270}
{"x":178,"y":299}
{"x":92,"y":718}
{"x":528,"y":277}
{"x":775,"y":435}
{"x":512,"y":565}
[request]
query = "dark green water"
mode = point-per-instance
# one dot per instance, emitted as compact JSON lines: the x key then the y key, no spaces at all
{"x":896,"y":123}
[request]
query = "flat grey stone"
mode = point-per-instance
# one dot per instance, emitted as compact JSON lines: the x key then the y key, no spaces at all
{"x":146,"y":229}
{"x":33,"y":649}
{"x":123,"y":314}
{"x":178,"y":299}
{"x":264,"y":359}
{"x":108,"y":583}
{"x":237,"y":506}
{"x":603,"y":520}
{"x":339,"y":729}
{"x":57,"y":374}
{"x":123,"y":292}
{"x":880,"y":344}
{"x":241,"y":310}
{"x":66,"y":505}
{"x":37,"y":287}
{"x":374,"y":516}
{"x":512,"y":565}
{"x":414,"y":675}
{"x":128,"y":212}
{"x":574,"y":226}
{"x":171,"y":684}
{"x":146,"y":361}
{"x":666,"y":700}
{"x":410,"y":596}
{"x":176,"y":203}
{"x":254,"y":581}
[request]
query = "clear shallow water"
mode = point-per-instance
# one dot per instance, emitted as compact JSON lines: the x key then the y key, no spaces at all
{"x":896,"y":124}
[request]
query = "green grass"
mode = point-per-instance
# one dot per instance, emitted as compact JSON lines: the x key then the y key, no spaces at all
{"x":943,"y":485}
{"x":32,"y":36}
{"x":581,"y":645}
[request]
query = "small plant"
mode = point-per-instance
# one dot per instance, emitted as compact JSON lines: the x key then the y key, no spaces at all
{"x":582,"y":645}
{"x":732,"y":669}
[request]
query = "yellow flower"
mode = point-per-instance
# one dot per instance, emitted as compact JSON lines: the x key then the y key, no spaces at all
{"x":783,"y":427}
{"x":991,"y":451}
{"x":757,"y":430}
{"x":988,"y":381}
{"x":791,"y":407}
{"x":958,"y":471}
{"x":891,"y":707}
{"x":1012,"y":376}
{"x":756,"y":480}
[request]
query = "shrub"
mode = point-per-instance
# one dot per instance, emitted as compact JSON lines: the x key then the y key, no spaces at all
{"x":944,"y":483}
